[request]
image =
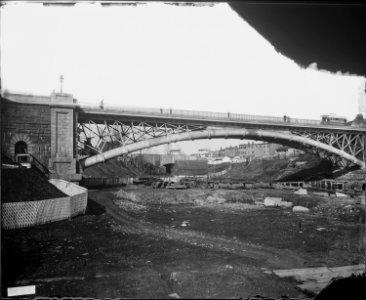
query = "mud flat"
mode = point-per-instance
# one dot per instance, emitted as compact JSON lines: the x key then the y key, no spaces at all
{"x":145,"y":243}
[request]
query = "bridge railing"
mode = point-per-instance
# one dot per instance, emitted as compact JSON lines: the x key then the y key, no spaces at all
{"x":201,"y":114}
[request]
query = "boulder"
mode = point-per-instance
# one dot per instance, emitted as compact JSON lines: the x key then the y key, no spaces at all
{"x":286,"y":204}
{"x":272,"y":201}
{"x":301,"y":192}
{"x":300,"y":209}
{"x":321,"y":229}
{"x":174,"y":295}
{"x":341,"y":195}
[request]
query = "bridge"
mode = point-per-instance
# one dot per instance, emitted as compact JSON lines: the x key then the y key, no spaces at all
{"x":134,"y":129}
{"x":83,"y":135}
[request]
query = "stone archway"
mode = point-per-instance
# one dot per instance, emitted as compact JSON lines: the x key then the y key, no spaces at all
{"x":20,"y":147}
{"x":18,"y":140}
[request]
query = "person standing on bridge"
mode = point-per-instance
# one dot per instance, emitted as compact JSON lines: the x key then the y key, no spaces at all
{"x":101,"y":105}
{"x":285,"y":118}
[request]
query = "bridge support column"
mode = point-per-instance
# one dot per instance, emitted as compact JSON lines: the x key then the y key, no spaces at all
{"x":62,"y":161}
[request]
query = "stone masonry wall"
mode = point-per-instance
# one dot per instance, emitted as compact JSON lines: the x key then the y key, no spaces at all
{"x":29,"y":123}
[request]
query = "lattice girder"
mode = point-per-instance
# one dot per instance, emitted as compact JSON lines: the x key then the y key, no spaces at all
{"x":351,"y":143}
{"x":97,"y":135}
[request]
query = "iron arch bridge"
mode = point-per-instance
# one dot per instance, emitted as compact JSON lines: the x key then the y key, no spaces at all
{"x":105,"y":133}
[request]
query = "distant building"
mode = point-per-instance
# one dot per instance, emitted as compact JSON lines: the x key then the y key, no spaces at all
{"x":154,"y":159}
{"x":239,"y":159}
{"x":260,"y":150}
{"x":284,"y":152}
{"x":204,"y":153}
{"x":175,"y":152}
{"x":245,"y":152}
{"x":190,"y":168}
{"x":229,"y":151}
{"x":173,"y":156}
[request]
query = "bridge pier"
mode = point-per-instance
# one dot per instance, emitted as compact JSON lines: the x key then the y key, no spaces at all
{"x":62,"y":161}
{"x":45,"y":128}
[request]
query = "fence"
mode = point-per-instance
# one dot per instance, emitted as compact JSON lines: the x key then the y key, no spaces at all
{"x":30,"y":213}
{"x":227,"y":116}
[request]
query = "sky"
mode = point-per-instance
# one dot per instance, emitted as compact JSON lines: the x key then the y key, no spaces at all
{"x":160,"y":55}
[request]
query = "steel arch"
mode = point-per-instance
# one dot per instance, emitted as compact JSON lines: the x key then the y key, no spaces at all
{"x":286,"y":138}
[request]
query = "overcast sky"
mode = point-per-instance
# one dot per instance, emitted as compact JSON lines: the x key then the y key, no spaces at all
{"x":160,"y":55}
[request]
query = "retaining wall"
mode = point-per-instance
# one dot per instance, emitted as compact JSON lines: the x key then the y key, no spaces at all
{"x":25,"y":214}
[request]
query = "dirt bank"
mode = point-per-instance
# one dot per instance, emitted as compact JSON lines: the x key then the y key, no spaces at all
{"x":22,"y":184}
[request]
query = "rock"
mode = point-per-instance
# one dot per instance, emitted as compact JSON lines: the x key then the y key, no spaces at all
{"x":321,"y":229}
{"x":184,"y":223}
{"x":266,"y":271}
{"x":300,"y":209}
{"x":174,"y":295}
{"x":272,"y":201}
{"x":341,"y":195}
{"x":286,"y":204}
{"x":301,"y":192}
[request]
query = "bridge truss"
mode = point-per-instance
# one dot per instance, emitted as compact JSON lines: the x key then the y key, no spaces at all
{"x":96,"y":137}
{"x":351,"y":143}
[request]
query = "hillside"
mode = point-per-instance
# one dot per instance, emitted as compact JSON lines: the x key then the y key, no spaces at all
{"x":219,"y":167}
{"x":302,"y":168}
{"x":307,"y":168}
{"x":257,"y":170}
{"x":111,"y":168}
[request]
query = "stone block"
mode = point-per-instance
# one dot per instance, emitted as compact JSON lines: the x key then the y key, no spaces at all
{"x":301,"y":192}
{"x":272,"y":201}
{"x":300,"y":209}
{"x":286,"y":204}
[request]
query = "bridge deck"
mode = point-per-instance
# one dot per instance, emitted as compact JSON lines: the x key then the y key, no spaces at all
{"x":163,"y":116}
